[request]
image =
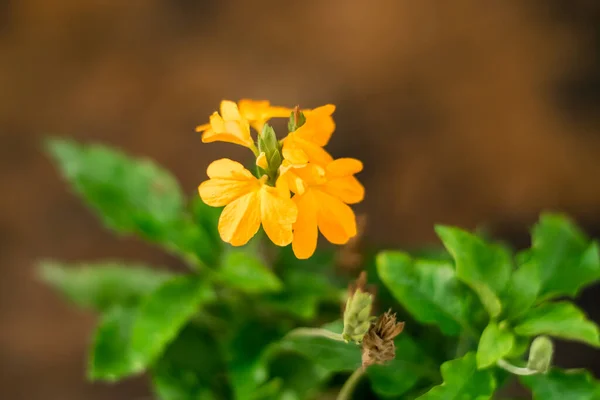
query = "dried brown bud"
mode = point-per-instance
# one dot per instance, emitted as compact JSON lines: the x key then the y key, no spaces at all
{"x":378,"y":344}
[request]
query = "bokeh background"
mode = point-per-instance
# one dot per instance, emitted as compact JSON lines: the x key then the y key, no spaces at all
{"x":475,"y":113}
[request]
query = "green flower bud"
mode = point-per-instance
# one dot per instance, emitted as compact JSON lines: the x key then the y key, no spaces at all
{"x":271,"y":148}
{"x":297,"y":119}
{"x":540,"y":354}
{"x":357,"y":314}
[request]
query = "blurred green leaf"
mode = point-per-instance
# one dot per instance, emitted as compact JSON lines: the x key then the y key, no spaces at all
{"x":485,"y":267}
{"x":102,"y":285}
{"x":562,"y":320}
{"x":332,"y":355}
{"x":522,"y":290}
{"x":248,"y":353}
{"x":191,"y":368}
{"x":401,"y":374}
{"x":566,"y":259}
{"x":164,"y":313}
{"x":563,"y":385}
{"x":429,"y":290}
{"x":495,"y":343}
{"x":462,"y":380}
{"x":307,"y":284}
{"x":132,"y":196}
{"x":247,"y":272}
{"x":301,"y":378}
{"x":110,"y":358}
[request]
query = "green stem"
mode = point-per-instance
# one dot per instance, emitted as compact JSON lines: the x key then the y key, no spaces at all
{"x":316,"y":332}
{"x":514,"y":369}
{"x":254,"y":150}
{"x":348,"y":388}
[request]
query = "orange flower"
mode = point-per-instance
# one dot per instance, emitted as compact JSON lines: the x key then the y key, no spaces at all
{"x":258,"y":112}
{"x":322,"y":197}
{"x":229,"y":126}
{"x":248,"y":202}
{"x":306,"y":143}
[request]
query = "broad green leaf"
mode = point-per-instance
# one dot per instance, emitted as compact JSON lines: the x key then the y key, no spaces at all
{"x":332,"y":355}
{"x":207,"y":218}
{"x":247,"y":353}
{"x":301,"y":378}
{"x":495,"y":343}
{"x":429,"y":290}
{"x":164,"y":312}
{"x":485,"y":267}
{"x":404,"y":372}
{"x":562,"y":320}
{"x":462,"y":380}
{"x":567,"y":260}
{"x":246,"y":272}
{"x":191,"y":368}
{"x":132,"y":196}
{"x":522,"y":290}
{"x":110,"y":358}
{"x":102,"y":285}
{"x":563,"y":385}
{"x":307,"y":284}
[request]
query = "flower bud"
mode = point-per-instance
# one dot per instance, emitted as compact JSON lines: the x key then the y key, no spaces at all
{"x":357,"y":313}
{"x":297,"y":119}
{"x":540,"y":354}
{"x":378,"y":344}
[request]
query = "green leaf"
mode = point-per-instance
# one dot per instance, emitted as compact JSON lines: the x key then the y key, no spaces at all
{"x":495,"y":343}
{"x":563,"y":385}
{"x":110,"y":358}
{"x":164,"y":313}
{"x":429,"y":290}
{"x":486,"y":268}
{"x":462,"y":380}
{"x":522,"y":290}
{"x":132,"y":196}
{"x":102,"y":285}
{"x":567,"y":260}
{"x":307,"y":284}
{"x":207,"y":218}
{"x":332,"y":355}
{"x":247,"y":352}
{"x":562,"y":320}
{"x":401,"y":374}
{"x":246,"y":272}
{"x":191,"y":368}
{"x":301,"y":378}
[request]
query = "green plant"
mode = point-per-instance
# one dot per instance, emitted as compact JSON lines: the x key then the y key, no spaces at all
{"x":256,"y":323}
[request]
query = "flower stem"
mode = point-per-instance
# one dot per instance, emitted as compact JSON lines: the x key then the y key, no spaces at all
{"x":514,"y":369}
{"x":348,"y":388}
{"x":316,"y":332}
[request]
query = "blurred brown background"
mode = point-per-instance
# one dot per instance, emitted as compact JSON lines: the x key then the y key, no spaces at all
{"x":465,"y":112}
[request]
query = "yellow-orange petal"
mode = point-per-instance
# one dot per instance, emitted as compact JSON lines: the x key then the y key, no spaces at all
{"x":229,"y":181}
{"x":347,"y":189}
{"x":203,"y":127}
{"x":230,"y":111}
{"x":306,"y":233}
{"x":278,"y":213}
{"x":319,"y":125}
{"x":261,"y":161}
{"x":294,"y":155}
{"x":335,"y":219}
{"x":228,"y":169}
{"x":343,"y":167}
{"x":299,"y":151}
{"x":240,"y":219}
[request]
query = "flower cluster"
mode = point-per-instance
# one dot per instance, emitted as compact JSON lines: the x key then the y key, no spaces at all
{"x":298,"y":189}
